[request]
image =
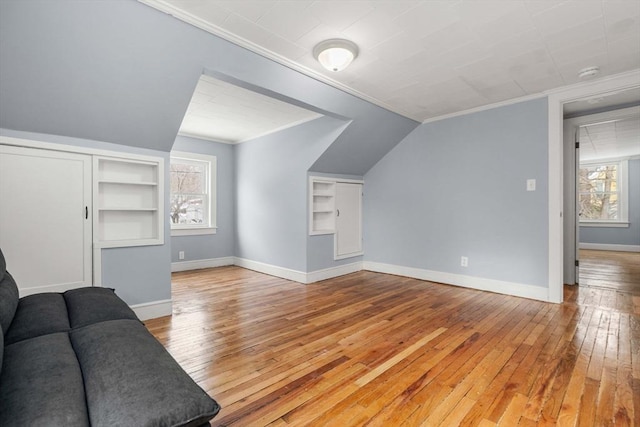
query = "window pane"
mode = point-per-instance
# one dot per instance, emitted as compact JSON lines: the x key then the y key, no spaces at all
{"x":598,"y":187}
{"x":598,"y":206}
{"x":189,"y":209}
{"x":188,"y":177}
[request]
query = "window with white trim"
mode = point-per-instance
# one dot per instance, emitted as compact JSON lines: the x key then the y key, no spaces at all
{"x":603,"y":193}
{"x":192,"y":207}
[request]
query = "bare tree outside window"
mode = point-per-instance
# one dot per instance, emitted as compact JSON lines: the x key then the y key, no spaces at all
{"x":188,"y":192}
{"x":599,"y":192}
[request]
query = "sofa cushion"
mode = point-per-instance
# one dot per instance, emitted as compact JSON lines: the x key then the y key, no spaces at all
{"x":41,"y":384}
{"x":3,"y":264}
{"x":95,"y":304}
{"x":125,"y":367}
{"x":8,"y":298}
{"x":1,"y":350}
{"x":38,"y":314}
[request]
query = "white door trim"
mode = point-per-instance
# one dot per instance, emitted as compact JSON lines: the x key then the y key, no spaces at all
{"x":556,"y":100}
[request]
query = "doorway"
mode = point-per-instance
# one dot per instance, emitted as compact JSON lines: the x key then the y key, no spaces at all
{"x":602,"y":191}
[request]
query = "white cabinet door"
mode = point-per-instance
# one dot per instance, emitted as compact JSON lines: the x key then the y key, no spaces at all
{"x":348,"y":238}
{"x":45,"y":224}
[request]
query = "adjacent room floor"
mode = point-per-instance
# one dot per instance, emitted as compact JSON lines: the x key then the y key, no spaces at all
{"x":376,"y":349}
{"x":611,"y":270}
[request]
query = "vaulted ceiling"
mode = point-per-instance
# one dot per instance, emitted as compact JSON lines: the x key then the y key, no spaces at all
{"x":425,"y":59}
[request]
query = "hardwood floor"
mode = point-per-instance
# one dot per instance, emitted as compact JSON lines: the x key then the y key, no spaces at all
{"x":609,"y":269}
{"x":380,"y":350}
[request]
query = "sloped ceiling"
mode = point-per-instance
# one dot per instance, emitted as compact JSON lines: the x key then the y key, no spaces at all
{"x":124,"y":73}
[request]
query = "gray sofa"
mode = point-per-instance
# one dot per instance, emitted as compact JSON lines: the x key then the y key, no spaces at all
{"x":82,"y":358}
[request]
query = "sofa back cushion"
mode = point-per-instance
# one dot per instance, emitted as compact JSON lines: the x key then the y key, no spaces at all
{"x":8,"y":296}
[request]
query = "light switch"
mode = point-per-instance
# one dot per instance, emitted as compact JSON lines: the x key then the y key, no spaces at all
{"x":531,"y":185}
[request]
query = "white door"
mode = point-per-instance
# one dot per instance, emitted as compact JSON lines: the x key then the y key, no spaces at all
{"x":45,"y":229}
{"x":348,"y":238}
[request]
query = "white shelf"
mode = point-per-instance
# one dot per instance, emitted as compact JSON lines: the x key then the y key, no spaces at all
{"x":322,"y":218}
{"x":128,"y":200}
{"x":122,"y":182}
{"x":127,"y":209}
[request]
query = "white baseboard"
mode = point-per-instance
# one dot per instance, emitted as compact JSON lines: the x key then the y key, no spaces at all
{"x":201,"y":263}
{"x":610,"y":247}
{"x":273,"y":270}
{"x":491,"y":285}
{"x":299,"y":276}
{"x":331,"y":272}
{"x":151,"y":310}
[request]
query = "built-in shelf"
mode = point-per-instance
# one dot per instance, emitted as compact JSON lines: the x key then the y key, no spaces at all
{"x":128,"y":202}
{"x":114,"y":181}
{"x":322,"y":218}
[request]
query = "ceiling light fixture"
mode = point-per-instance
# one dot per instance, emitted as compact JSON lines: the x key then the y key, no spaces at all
{"x":335,"y":54}
{"x":588,"y":73}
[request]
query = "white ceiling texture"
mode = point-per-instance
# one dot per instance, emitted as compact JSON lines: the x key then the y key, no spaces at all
{"x":426,"y":59}
{"x":228,"y":113}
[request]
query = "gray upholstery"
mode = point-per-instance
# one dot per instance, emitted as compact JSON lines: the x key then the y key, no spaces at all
{"x":38,"y":314}
{"x":125,"y":367}
{"x":8,"y":298}
{"x":66,"y":359}
{"x":42,"y":384}
{"x":1,"y":349}
{"x":87,"y":306}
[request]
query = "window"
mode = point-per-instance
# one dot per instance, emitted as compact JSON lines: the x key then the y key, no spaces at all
{"x":193,"y":194}
{"x":602,"y":193}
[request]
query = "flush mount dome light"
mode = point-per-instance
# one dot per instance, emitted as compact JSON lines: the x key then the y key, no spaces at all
{"x":588,"y":73}
{"x":335,"y":54}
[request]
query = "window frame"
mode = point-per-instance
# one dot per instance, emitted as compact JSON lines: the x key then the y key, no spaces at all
{"x":211,"y":165}
{"x":622,"y":183}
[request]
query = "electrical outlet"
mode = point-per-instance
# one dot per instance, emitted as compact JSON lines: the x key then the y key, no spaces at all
{"x":181,"y":254}
{"x":464,"y":261}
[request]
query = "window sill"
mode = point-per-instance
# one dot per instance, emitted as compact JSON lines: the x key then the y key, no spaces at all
{"x":612,"y":224}
{"x":193,"y":231}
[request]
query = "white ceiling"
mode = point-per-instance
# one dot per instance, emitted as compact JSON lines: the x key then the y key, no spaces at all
{"x":425,"y":59}
{"x":602,"y":102}
{"x":224,"y":112}
{"x":612,"y":137}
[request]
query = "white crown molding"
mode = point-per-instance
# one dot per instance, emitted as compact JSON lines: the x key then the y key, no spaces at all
{"x":498,"y":286}
{"x":485,"y":107}
{"x":242,"y":42}
{"x":204,"y":137}
{"x":582,"y":86}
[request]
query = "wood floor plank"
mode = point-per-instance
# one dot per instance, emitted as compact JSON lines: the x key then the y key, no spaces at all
{"x":381,"y":350}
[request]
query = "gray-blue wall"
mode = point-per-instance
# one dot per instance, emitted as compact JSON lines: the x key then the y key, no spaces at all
{"x":620,"y":236}
{"x":120,"y":71}
{"x":457,"y":187}
{"x":221,"y":244}
{"x":271,"y":192}
{"x":123,"y":73}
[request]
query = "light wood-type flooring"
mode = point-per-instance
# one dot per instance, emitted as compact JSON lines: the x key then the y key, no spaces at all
{"x":612,"y":270}
{"x":381,"y":350}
